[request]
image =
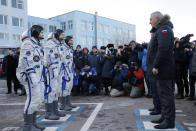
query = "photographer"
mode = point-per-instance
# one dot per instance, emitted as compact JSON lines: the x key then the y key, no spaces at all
{"x":80,"y":59}
{"x":120,"y":55}
{"x":120,"y":74}
{"x":192,"y":71}
{"x":181,"y":63}
{"x":89,"y":80}
{"x":136,"y":79}
{"x":132,"y":53}
{"x":142,"y":54}
{"x":108,"y":61}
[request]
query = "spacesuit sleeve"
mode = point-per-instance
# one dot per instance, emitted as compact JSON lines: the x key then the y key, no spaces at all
{"x":47,"y":56}
{"x":27,"y":53}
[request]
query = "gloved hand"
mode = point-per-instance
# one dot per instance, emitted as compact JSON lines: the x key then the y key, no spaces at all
{"x":34,"y":79}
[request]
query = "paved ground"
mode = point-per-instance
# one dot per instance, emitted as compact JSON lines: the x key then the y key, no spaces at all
{"x":98,"y":113}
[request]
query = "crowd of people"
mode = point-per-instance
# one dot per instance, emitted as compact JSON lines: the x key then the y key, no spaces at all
{"x":122,"y":71}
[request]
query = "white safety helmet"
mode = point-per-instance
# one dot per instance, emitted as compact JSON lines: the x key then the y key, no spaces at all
{"x":51,"y":36}
{"x":26,"y":34}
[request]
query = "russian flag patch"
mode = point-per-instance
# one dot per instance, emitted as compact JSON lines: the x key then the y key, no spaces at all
{"x":164,"y":31}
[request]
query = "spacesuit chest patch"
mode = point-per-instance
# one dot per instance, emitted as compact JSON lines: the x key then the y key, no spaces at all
{"x":36,"y":58}
{"x":56,"y":55}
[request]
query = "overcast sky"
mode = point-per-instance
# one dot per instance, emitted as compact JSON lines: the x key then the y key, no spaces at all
{"x":182,"y":12}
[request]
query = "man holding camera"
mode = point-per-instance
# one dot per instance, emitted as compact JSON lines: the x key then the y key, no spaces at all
{"x":160,"y":61}
{"x":108,"y":61}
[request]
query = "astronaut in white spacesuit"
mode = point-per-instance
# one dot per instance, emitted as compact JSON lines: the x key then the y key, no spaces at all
{"x":52,"y":60}
{"x":29,"y":73}
{"x":68,"y":79}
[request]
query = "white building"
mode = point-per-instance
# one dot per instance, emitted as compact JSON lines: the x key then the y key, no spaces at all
{"x":13,"y":21}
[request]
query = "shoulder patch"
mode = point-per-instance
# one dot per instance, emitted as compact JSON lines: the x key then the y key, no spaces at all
{"x":68,"y":57}
{"x":164,"y":31}
{"x":56,"y":55}
{"x":51,"y":51}
{"x":28,"y":53}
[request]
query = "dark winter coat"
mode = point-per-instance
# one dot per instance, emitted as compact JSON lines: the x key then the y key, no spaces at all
{"x":160,"y":50}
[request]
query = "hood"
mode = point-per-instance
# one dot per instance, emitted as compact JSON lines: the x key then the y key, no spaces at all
{"x":163,"y":21}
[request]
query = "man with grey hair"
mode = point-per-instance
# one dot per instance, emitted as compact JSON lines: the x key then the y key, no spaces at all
{"x":160,"y":64}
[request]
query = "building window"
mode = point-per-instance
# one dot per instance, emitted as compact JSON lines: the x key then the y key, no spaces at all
{"x":100,"y":27}
{"x":127,"y":33}
{"x":99,"y":42}
{"x":83,"y":25}
{"x":70,"y":24}
{"x":115,"y":30}
{"x":16,"y":37}
{"x":106,"y":29}
{"x":91,"y":26}
{"x":29,"y":25}
{"x":130,"y":34}
{"x":83,"y":40}
{"x":44,"y":26}
{"x":107,"y":41}
{"x":90,"y":42}
{"x":120,"y":31}
{"x":17,"y":4}
{"x":4,"y":2}
{"x":20,"y":4}
{"x":52,"y":28}
{"x":4,"y":36}
{"x":3,"y":19}
{"x":17,"y":21}
{"x":63,"y":26}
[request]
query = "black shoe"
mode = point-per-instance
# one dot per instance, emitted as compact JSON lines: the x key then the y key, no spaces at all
{"x":151,"y":109}
{"x":149,"y":96}
{"x":157,"y":121}
{"x":8,"y":92}
{"x":155,"y":113}
{"x":195,"y":103}
{"x":177,"y":95}
{"x":165,"y":125}
{"x":187,"y":95}
{"x":190,"y":99}
{"x":180,"y":97}
{"x":15,"y":92}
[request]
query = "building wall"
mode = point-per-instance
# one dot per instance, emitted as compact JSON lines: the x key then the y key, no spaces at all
{"x":45,"y":23}
{"x":108,"y":30}
{"x":81,"y":25}
{"x":13,"y":32}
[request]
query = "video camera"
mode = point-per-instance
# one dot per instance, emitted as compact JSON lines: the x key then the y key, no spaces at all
{"x":185,"y":41}
{"x":141,"y":47}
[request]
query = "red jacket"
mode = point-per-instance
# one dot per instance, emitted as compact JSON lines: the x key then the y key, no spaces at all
{"x":138,"y":74}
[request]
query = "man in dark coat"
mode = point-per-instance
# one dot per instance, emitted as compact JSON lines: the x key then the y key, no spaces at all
{"x":95,"y":62}
{"x":108,"y":62}
{"x":80,"y":60}
{"x":160,"y":62}
{"x":9,"y":67}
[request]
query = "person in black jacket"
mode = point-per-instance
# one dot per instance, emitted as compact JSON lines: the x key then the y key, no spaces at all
{"x":80,"y":60}
{"x":9,"y":67}
{"x":181,"y":63}
{"x":95,"y":62}
{"x":160,"y":62}
{"x":131,"y":53}
{"x":108,"y":62}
